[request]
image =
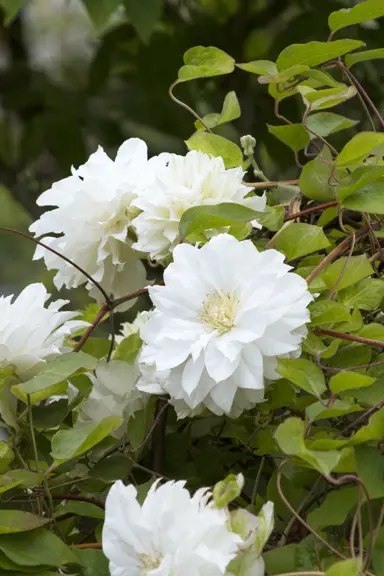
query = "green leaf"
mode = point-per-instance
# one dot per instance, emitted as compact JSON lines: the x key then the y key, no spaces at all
{"x":11,"y":9}
{"x":368,"y":396}
{"x":259,"y":67}
{"x":230,"y":111}
{"x":203,"y":62}
{"x":328,"y":312}
{"x":52,"y":379}
{"x":80,"y":509}
{"x":36,"y":548}
{"x":352,"y":59}
{"x":272,"y":218}
{"x":129,"y":348}
{"x":139,"y":425}
{"x":68,"y":444}
{"x":93,"y":562}
{"x":374,"y":430}
{"x":326,"y":98}
{"x":111,"y":469}
{"x":304,"y":374}
{"x":359,"y":178}
{"x":348,"y":381}
{"x":293,"y":135}
{"x":350,"y":567}
{"x":318,"y":411}
{"x":216,"y":146}
{"x":6,"y":456}
{"x":15,"y":478}
{"x":326,"y":123}
{"x":347,"y":272}
{"x":314,"y":181}
{"x":17,"y":521}
{"x":101,"y":11}
{"x":366,"y":294}
{"x":200,"y":218}
{"x":288,"y":76}
{"x":363,"y":12}
{"x":300,"y":239}
{"x":143,"y":15}
{"x":51,"y":415}
{"x":370,"y":469}
{"x":314,"y":53}
{"x":290,"y":437}
{"x":368,"y":199}
{"x":280,"y":559}
{"x":333,"y":511}
{"x":360,"y":147}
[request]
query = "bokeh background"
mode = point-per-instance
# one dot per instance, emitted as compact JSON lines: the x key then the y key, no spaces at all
{"x":78,"y":73}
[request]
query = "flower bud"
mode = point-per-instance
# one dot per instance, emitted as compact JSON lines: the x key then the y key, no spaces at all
{"x":228,"y":490}
{"x":248,"y":144}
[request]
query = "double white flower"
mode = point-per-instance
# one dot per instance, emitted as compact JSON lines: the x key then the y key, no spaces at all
{"x":225,"y":314}
{"x":174,"y":534}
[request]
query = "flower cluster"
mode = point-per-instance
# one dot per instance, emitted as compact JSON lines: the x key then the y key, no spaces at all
{"x":172,"y":533}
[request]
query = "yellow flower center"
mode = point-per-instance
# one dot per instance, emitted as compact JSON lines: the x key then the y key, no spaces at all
{"x":149,"y":563}
{"x":219,"y":311}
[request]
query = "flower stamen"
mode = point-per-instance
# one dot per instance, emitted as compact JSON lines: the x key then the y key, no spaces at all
{"x":219,"y":311}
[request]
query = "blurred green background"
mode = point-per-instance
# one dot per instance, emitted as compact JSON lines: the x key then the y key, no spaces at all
{"x":78,"y":73}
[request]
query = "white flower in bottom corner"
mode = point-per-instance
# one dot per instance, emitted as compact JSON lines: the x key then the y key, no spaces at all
{"x":181,"y":182}
{"x":113,"y":393}
{"x":224,"y":315}
{"x":171,"y":534}
{"x":92,"y":213}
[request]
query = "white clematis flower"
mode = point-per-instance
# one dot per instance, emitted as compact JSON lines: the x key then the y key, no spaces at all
{"x":225,"y":314}
{"x":30,"y":334}
{"x":129,"y":328}
{"x":171,"y":534}
{"x":181,"y":182}
{"x":113,"y":393}
{"x":93,"y":212}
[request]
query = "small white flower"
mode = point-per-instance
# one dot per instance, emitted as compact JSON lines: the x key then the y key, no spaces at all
{"x":225,"y":314}
{"x":93,"y":212}
{"x":180,"y":183}
{"x":30,"y":334}
{"x":129,"y":328}
{"x":171,"y":534}
{"x":113,"y":393}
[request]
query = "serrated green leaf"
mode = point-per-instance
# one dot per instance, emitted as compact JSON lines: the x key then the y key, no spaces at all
{"x":68,"y":444}
{"x":350,"y":567}
{"x":304,"y":374}
{"x":362,"y":12}
{"x":333,"y":511}
{"x":349,"y":380}
{"x":301,"y":239}
{"x":230,"y":111}
{"x":216,"y":146}
{"x":143,"y":15}
{"x":370,"y":469}
{"x":199,"y":218}
{"x":129,"y":348}
{"x":360,"y":147}
{"x":314,"y":53}
{"x":293,"y":135}
{"x":328,"y":312}
{"x":352,"y":59}
{"x":203,"y":62}
{"x":366,"y":294}
{"x":86,"y":509}
{"x":11,"y":9}
{"x":101,"y":11}
{"x":38,"y":547}
{"x":259,"y":67}
{"x":51,"y":380}
{"x":12,"y":521}
{"x":326,"y":123}
{"x":347,"y":272}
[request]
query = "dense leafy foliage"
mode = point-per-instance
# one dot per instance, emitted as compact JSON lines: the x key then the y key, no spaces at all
{"x":314,"y":446}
